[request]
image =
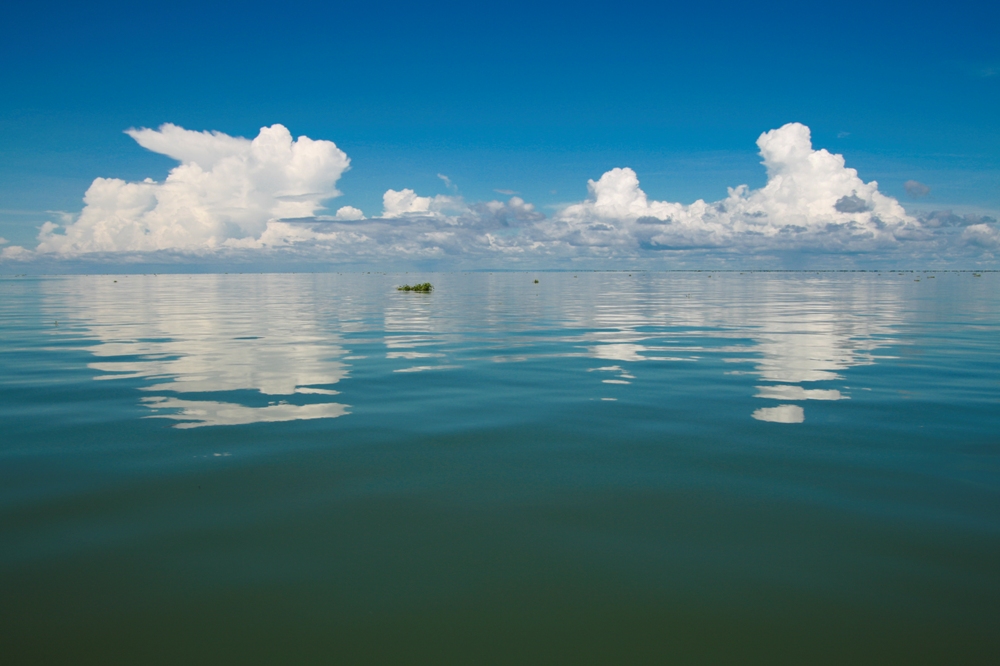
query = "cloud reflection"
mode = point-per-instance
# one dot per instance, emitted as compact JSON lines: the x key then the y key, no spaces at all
{"x":780,"y":414}
{"x":214,"y":337}
{"x":792,"y":392}
{"x":794,"y":330}
{"x":198,"y":344}
{"x":195,"y":413}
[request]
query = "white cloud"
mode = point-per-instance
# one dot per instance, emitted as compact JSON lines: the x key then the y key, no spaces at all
{"x":405,"y":202}
{"x":982,"y":235}
{"x":224,"y":192}
{"x":811,"y":200}
{"x":16,"y":253}
{"x":233,"y":195}
{"x":349,"y":213}
{"x":187,"y":147}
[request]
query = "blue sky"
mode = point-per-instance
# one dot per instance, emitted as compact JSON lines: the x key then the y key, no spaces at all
{"x":530,"y":98}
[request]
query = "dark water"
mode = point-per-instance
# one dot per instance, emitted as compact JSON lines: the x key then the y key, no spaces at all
{"x":598,"y":468}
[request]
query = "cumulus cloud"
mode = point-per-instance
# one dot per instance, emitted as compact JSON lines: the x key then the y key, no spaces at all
{"x":811,"y":200}
{"x":982,"y":235}
{"x":916,"y":189}
{"x":223,"y":193}
{"x":16,"y":253}
{"x":236,"y":195}
{"x":349,"y":213}
{"x":405,"y":202}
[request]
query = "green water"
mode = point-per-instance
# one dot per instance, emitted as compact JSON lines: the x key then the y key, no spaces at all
{"x":597,"y":468}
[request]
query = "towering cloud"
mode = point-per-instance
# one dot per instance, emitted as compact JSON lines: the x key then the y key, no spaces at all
{"x":225,"y":189}
{"x":811,"y":199}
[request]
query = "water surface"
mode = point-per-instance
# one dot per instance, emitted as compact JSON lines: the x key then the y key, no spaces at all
{"x":600,"y":467}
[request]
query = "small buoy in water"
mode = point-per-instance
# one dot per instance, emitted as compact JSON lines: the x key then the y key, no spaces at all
{"x":536,"y":281}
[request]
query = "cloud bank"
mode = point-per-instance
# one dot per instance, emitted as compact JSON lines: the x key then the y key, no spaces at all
{"x":231,"y":195}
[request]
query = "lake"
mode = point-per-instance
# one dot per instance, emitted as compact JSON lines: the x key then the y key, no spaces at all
{"x":724,"y":467}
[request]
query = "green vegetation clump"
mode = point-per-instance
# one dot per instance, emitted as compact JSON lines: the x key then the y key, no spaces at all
{"x":426,"y":287}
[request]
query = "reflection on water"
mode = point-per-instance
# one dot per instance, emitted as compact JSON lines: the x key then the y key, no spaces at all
{"x":793,"y":330}
{"x":623,"y":375}
{"x":409,"y":326}
{"x":227,"y":350}
{"x":630,"y":352}
{"x":730,"y":456}
{"x":791,"y":392}
{"x":194,"y":413}
{"x":780,"y":414}
{"x":211,"y":339}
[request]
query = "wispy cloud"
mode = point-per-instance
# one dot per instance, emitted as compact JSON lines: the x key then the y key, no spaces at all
{"x":986,"y":71}
{"x":447,"y":182}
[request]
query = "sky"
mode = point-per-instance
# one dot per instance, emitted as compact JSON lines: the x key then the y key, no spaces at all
{"x":506,"y":135}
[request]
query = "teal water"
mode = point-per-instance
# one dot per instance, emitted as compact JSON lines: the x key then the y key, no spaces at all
{"x":597,"y":468}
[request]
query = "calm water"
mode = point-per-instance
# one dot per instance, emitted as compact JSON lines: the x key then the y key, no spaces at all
{"x":600,"y":467}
